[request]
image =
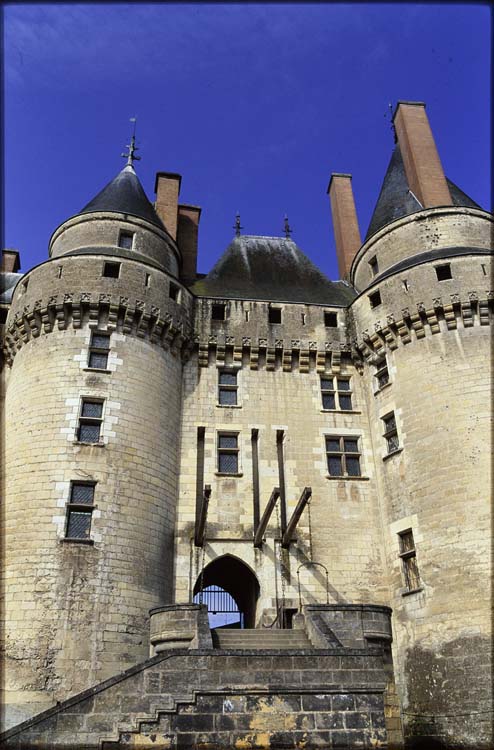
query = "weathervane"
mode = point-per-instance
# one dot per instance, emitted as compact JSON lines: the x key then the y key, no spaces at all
{"x":237,"y":226}
{"x":288,"y":229}
{"x":130,"y":156}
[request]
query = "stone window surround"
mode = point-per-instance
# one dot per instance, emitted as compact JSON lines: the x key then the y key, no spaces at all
{"x":350,"y":392}
{"x":340,"y":433}
{"x":236,"y":369}
{"x":88,"y":508}
{"x":228,"y":431}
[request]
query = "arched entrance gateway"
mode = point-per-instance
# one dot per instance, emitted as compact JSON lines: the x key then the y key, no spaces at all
{"x":228,"y":586}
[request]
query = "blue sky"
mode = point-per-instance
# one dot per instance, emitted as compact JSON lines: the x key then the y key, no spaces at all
{"x":254,"y":104}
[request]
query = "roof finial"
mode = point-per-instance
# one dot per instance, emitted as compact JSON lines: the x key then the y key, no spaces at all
{"x":130,"y":156}
{"x":288,"y":229}
{"x":237,"y":226}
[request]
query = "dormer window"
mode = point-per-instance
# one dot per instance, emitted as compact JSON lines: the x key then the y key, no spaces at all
{"x":126,"y":240}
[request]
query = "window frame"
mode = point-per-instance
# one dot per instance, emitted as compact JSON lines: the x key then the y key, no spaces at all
{"x":98,"y":350}
{"x":174,"y":292}
{"x":336,"y":392}
{"x":78,"y":507}
{"x":111,"y":264}
{"x":215,"y":306}
{"x":439,"y":269}
{"x":85,"y":420}
{"x":390,"y":433}
{"x":228,"y":451}
{"x":228,"y":387}
{"x":374,"y":266}
{"x":274,"y":311}
{"x":343,"y":453}
{"x":126,"y":233}
{"x":410,"y":570}
{"x":382,"y":366}
{"x":330,"y":315}
{"x":375,"y":299}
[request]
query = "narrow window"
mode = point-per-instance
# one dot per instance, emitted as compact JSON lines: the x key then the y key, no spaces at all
{"x":228,"y":453}
{"x":246,"y":316}
{"x":25,"y":285}
{"x":344,"y":394}
{"x":79,"y":510}
{"x":408,"y":556}
{"x":3,"y":314}
{"x":303,"y":319}
{"x":328,"y":394}
{"x":126,"y":240}
{"x":218,"y":311}
{"x":174,"y":292}
{"x":390,"y":433}
{"x":405,"y":285}
{"x":99,"y":350}
{"x":147,"y":279}
{"x":484,"y":271}
{"x":274,"y":315}
{"x":90,"y":421}
{"x":59,"y":272}
{"x":382,"y":374}
{"x":227,"y":388}
{"x":343,"y":456}
{"x":443,"y":272}
{"x":111,"y":270}
{"x":374,"y":266}
{"x":375,"y":299}
{"x":331,"y":319}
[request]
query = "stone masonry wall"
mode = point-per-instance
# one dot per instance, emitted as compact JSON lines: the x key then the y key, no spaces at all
{"x":76,"y":612}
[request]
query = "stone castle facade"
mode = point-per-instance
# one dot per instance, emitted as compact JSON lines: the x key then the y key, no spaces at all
{"x":318,"y":450}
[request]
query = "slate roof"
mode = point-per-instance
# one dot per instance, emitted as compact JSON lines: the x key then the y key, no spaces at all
{"x":271,"y":268}
{"x":396,"y":201}
{"x":7,"y":284}
{"x":126,"y":195}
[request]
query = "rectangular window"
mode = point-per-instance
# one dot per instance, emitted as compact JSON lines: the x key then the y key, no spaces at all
{"x":99,"y":351}
{"x":343,"y":456}
{"x":79,"y":510}
{"x":274,"y":315}
{"x":336,"y":393}
{"x":147,"y":279}
{"x":390,"y":433}
{"x":227,"y":388}
{"x":331,"y":319}
{"x":3,"y":314}
{"x":126,"y":240}
{"x":111,"y":270}
{"x":228,"y":453}
{"x":408,"y":556}
{"x":218,"y":311}
{"x":374,"y":266}
{"x":382,"y":374}
{"x":174,"y":292}
{"x":90,"y":421}
{"x":375,"y":299}
{"x":443,"y":272}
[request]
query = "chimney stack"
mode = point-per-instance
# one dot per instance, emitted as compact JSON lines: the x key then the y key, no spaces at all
{"x":167,"y":189}
{"x":345,"y":222}
{"x":187,"y":233}
{"x":10,"y":260}
{"x":423,"y":167}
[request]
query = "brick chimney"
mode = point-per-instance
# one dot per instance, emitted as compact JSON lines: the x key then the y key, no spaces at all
{"x":423,"y":167}
{"x":167,"y":189}
{"x":345,"y":222}
{"x":187,"y":233}
{"x":11,"y":262}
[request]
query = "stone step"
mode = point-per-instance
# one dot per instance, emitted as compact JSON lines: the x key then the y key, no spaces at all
{"x":260,"y":639}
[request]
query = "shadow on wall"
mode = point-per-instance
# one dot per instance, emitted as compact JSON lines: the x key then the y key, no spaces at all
{"x":450,"y":696}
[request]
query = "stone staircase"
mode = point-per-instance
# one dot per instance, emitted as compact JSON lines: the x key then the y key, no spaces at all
{"x":260,"y":639}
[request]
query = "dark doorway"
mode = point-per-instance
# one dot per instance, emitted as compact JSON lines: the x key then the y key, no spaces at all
{"x":234,"y":577}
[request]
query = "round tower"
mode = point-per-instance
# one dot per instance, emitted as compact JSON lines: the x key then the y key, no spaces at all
{"x":94,"y":344}
{"x":422,"y":323}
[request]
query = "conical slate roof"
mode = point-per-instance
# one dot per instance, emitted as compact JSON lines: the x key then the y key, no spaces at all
{"x":395,"y":199}
{"x":271,"y":268}
{"x":125,"y":195}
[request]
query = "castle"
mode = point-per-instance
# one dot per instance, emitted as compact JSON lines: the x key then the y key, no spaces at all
{"x":310,"y":457}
